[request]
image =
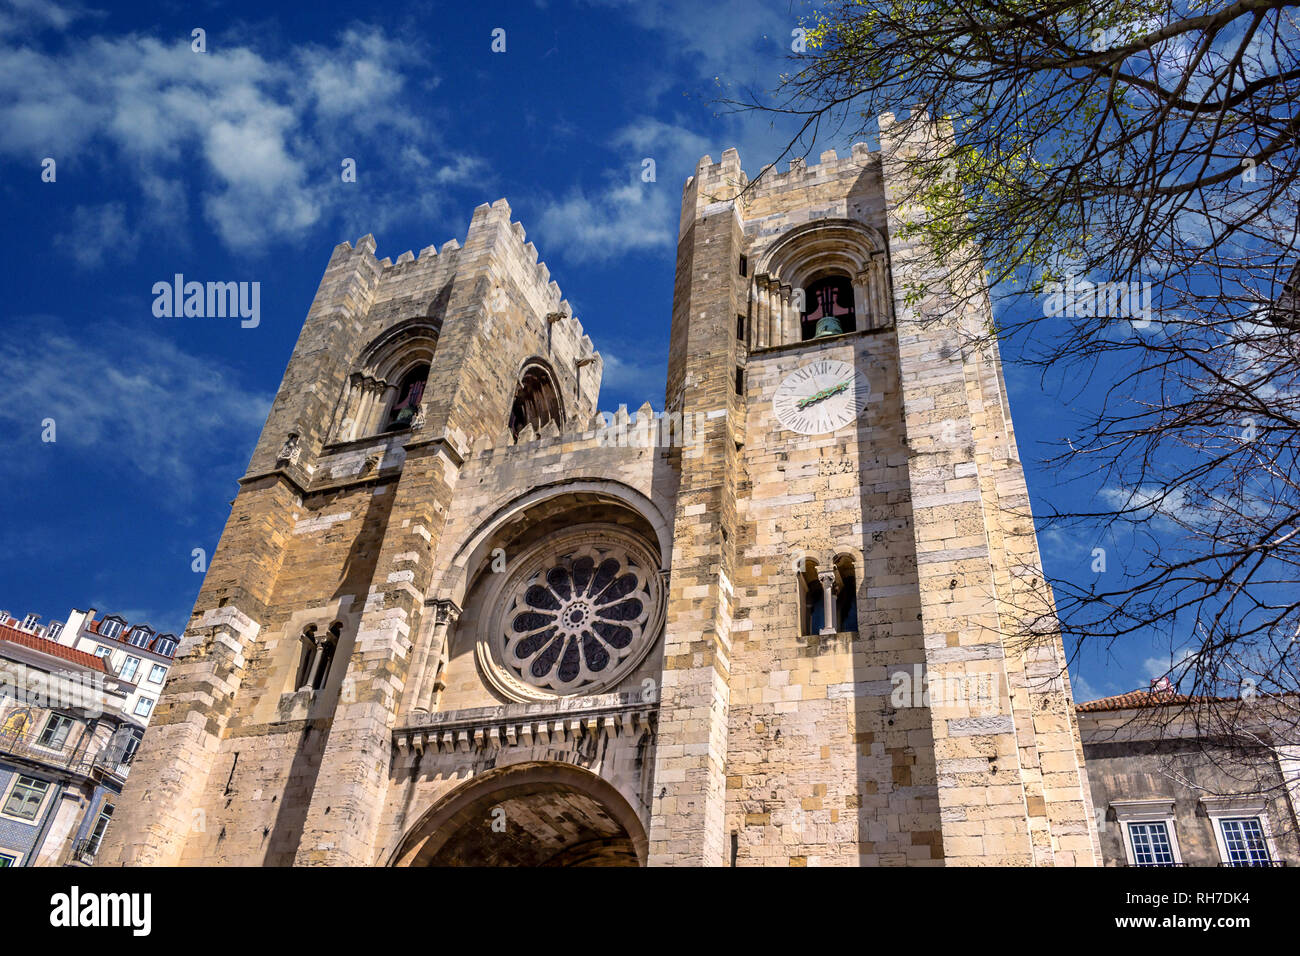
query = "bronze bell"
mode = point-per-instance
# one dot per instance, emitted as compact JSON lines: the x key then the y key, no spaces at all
{"x":827,"y":325}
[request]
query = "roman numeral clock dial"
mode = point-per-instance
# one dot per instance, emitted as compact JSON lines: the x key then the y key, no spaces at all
{"x":821,"y":397}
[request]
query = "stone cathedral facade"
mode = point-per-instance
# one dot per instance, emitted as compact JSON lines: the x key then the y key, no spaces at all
{"x":458,"y":616}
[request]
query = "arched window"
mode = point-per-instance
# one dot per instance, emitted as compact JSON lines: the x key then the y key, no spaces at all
{"x":846,"y":594}
{"x":828,"y":597}
{"x":812,"y":606}
{"x":406,"y":403}
{"x":828,"y":308}
{"x":537,"y":401}
{"x":306,"y":658}
{"x":316,"y":655}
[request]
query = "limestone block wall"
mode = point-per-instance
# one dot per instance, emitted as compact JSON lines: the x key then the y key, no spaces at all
{"x":823,"y":768}
{"x":504,"y":488}
{"x":240,"y":764}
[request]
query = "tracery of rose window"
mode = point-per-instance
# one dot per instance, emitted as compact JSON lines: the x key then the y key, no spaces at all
{"x":576,"y":618}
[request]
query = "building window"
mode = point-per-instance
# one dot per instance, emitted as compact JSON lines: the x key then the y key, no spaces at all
{"x":744,"y":265}
{"x":316,"y":656}
{"x":165,"y":645}
{"x":102,"y":651}
{"x":97,"y":834}
{"x":1151,"y":845}
{"x":140,"y":637}
{"x":1241,"y":829}
{"x":740,"y":328}
{"x":812,"y":610}
{"x":1147,"y":827}
{"x":846,"y":595}
{"x":26,"y":797}
{"x":828,"y":305}
{"x":132,"y":745}
{"x":55,"y":630}
{"x":8,"y":859}
{"x":55,"y":734}
{"x":157,"y":674}
{"x":110,"y":627}
{"x":537,"y":401}
{"x":129,"y":668}
{"x":740,"y":381}
{"x":143,"y":706}
{"x":29,"y":621}
{"x":1243,"y":842}
{"x":580,"y":611}
{"x":409,"y":395}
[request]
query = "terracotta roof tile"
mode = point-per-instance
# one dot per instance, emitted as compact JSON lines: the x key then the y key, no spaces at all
{"x":1136,"y":699}
{"x":53,"y":648}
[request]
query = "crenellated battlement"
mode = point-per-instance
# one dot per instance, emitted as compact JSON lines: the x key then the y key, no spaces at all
{"x":644,"y":428}
{"x":725,"y":181}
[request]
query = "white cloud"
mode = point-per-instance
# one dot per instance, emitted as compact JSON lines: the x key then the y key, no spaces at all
{"x":256,"y":139}
{"x":1171,"y":665}
{"x":625,"y":213}
{"x":619,"y":218}
{"x":1082,"y":689}
{"x":638,"y":382}
{"x":127,"y":400}
{"x":98,"y":232}
{"x":1164,"y":505}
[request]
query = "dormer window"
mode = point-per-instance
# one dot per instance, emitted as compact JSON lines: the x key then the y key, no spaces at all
{"x":407,"y":402}
{"x":165,"y":645}
{"x":111,"y":627}
{"x":140,"y":637}
{"x":829,"y":308}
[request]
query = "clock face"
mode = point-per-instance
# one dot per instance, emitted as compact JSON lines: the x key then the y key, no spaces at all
{"x":821,"y":397}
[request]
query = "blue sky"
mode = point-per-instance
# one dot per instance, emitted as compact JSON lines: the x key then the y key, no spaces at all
{"x":225,"y":165}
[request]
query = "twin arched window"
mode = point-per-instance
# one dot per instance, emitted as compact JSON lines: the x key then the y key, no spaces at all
{"x":316,"y":656}
{"x":835,"y":588}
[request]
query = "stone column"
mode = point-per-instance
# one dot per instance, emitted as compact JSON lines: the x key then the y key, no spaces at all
{"x":789,"y":316}
{"x":445,"y":615}
{"x":774,"y":327}
{"x":760,"y":312}
{"x":829,"y":624}
{"x":347,"y":428}
{"x":317,"y":658}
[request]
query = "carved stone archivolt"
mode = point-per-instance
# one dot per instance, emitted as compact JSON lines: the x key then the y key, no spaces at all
{"x":803,"y":255}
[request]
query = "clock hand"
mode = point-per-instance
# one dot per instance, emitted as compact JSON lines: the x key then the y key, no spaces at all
{"x":820,"y":396}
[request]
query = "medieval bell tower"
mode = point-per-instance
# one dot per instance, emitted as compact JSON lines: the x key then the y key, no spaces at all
{"x":458,"y":616}
{"x":849,"y":677}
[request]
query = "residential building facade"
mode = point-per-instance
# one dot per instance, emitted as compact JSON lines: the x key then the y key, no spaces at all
{"x":1180,"y":781}
{"x":65,"y":744}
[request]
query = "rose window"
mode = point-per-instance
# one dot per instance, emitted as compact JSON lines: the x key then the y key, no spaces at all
{"x":574,"y":619}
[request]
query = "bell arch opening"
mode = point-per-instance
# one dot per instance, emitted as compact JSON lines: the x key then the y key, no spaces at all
{"x":533,"y":814}
{"x":537,"y":399}
{"x":827,"y":277}
{"x":829,"y":308}
{"x":385,"y":390}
